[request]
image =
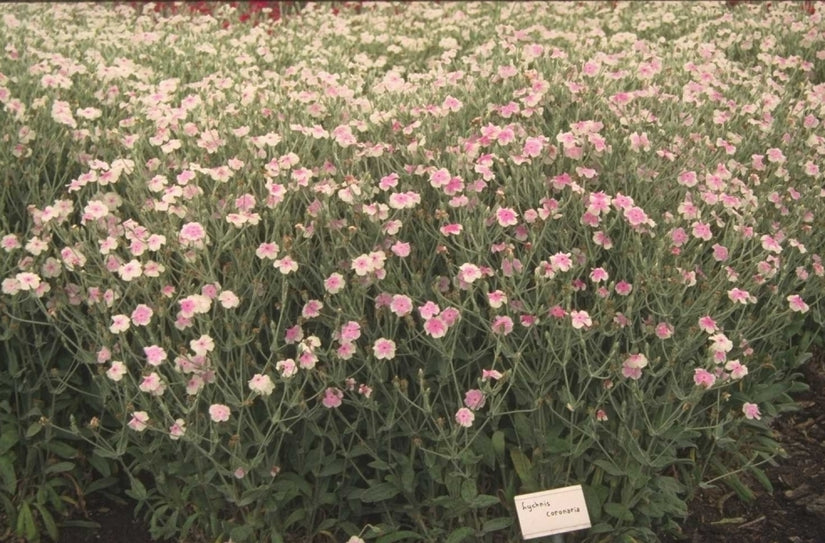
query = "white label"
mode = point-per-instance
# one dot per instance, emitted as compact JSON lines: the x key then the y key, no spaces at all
{"x":552,"y":512}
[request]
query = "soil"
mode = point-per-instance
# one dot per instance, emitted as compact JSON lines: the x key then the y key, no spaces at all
{"x":793,"y":513}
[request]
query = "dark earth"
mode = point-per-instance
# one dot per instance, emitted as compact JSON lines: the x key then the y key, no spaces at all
{"x":794,"y":513}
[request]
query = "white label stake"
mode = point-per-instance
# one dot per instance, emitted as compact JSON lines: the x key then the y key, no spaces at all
{"x":552,"y":512}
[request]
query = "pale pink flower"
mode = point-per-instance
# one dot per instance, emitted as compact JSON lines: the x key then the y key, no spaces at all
{"x":350,"y":331}
{"x":737,"y":369}
{"x":286,"y":265}
{"x":702,"y":231}
{"x":155,"y":355}
{"x":738,"y":295}
{"x":130,"y":270}
{"x":312,"y":309}
{"x":474,"y":399}
{"x":139,"y":421}
{"x":751,"y":411}
{"x":506,"y":216}
{"x":435,"y":327}
{"x":707,"y":324}
{"x":10,"y":242}
{"x":469,"y":273}
{"x":261,"y":384}
{"x":191,"y":233}
{"x":796,"y":303}
{"x":464,"y":417}
{"x":664,"y":330}
{"x":452,"y":229}
{"x":635,"y":215}
{"x":120,"y":323}
{"x":177,"y":430}
{"x":429,"y":310}
{"x":401,"y":305}
{"x":450,"y":316}
{"x":332,"y":397}
{"x":597,"y":275}
{"x":502,"y":325}
{"x":346,"y":350}
{"x":202,"y":345}
{"x":334,"y":283}
{"x":720,"y":252}
{"x":580,"y":319}
{"x":770,"y":244}
{"x":287,"y":368}
{"x":219,"y":412}
{"x":384,"y":349}
{"x":27,"y":281}
{"x":561,"y":262}
{"x":142,"y":315}
{"x":228,"y":299}
{"x":267,"y":250}
{"x":623,"y":288}
{"x":496,"y":299}
{"x":152,"y":384}
{"x":491,"y":374}
{"x":601,"y":415}
{"x":703,"y":377}
{"x":116,"y":371}
{"x":400,"y":249}
{"x":439,"y":178}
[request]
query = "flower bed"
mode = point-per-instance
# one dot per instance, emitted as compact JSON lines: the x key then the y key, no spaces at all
{"x":373,"y":275}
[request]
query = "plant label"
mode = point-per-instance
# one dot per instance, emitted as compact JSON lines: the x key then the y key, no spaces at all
{"x":552,"y":512}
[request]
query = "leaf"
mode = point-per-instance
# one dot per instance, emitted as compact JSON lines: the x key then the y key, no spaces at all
{"x":61,"y":449}
{"x":138,"y":491}
{"x":26,"y":527}
{"x":609,"y":467}
{"x":8,"y":475}
{"x":468,"y":490}
{"x":8,"y":438}
{"x":496,"y":524}
{"x":523,"y":468}
{"x":484,"y":500}
{"x":241,"y":533}
{"x":33,"y":430}
{"x":379,"y":492}
{"x":403,"y":535}
{"x":48,"y":521}
{"x":619,"y":511}
{"x":59,"y":467}
{"x":498,"y":444}
{"x":460,"y":534}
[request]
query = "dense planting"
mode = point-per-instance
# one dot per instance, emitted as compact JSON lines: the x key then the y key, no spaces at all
{"x":371,"y":275}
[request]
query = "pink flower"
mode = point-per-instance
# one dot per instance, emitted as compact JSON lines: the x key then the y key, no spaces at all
{"x":740,"y":296}
{"x":154,"y":355}
{"x":334,"y":283}
{"x":623,"y":288}
{"x":597,"y":275}
{"x":428,"y":310}
{"x":452,"y":229}
{"x":469,"y":273}
{"x":703,"y":377}
{"x":464,"y":417}
{"x":400,"y":249}
{"x":435,"y":327}
{"x":177,"y":430}
{"x":601,"y":415}
{"x":286,"y":368}
{"x":152,"y":384}
{"x":751,"y":411}
{"x":332,"y":398}
{"x":202,"y":345}
{"x":350,"y":331}
{"x":491,"y":374}
{"x":796,"y":303}
{"x":267,"y":250}
{"x":142,"y":315}
{"x":116,"y":371}
{"x":286,"y":265}
{"x":219,"y":412}
{"x":120,"y":323}
{"x":450,"y":315}
{"x":502,"y":325}
{"x":312,"y":309}
{"x":261,"y":384}
{"x":130,"y":270}
{"x":664,"y":330}
{"x":707,"y":324}
{"x":737,"y":369}
{"x":702,"y":231}
{"x":496,"y":299}
{"x":635,"y":215}
{"x":191,"y":233}
{"x":506,"y":216}
{"x":139,"y":421}
{"x":228,"y":299}
{"x":384,"y":349}
{"x":401,"y":305}
{"x":474,"y":399}
{"x":580,"y":319}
